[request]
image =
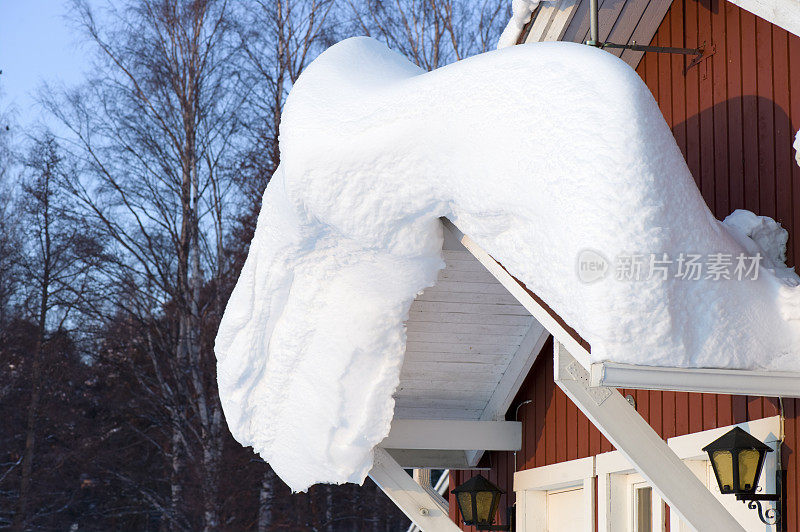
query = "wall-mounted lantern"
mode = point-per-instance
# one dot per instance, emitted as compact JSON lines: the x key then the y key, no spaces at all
{"x":737,"y":459}
{"x":478,"y":500}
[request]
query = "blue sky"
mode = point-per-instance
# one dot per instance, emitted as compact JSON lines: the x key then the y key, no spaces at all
{"x":37,"y":44}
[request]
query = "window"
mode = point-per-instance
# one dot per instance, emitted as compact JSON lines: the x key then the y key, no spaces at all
{"x":643,"y":508}
{"x":566,"y":511}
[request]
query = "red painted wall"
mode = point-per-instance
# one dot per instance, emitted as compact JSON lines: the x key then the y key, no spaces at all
{"x":734,"y":116}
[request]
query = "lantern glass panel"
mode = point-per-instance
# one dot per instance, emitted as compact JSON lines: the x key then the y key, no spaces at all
{"x":723,"y":466}
{"x":485,"y":500}
{"x":465,"y":504}
{"x":748,"y":467}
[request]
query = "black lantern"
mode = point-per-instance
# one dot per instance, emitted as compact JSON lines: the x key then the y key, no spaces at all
{"x":737,"y":459}
{"x":478,"y":500}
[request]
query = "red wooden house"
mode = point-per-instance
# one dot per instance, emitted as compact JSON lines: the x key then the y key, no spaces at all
{"x":510,"y":396}
{"x":733,"y":109}
{"x":494,"y":381}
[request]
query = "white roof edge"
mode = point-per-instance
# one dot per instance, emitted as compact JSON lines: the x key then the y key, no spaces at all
{"x":705,"y":380}
{"x":782,"y":13}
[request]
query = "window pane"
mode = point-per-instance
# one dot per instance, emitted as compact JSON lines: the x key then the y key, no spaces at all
{"x":723,"y":464}
{"x":748,"y":462}
{"x":484,"y":499}
{"x":465,"y":503}
{"x":644,"y":510}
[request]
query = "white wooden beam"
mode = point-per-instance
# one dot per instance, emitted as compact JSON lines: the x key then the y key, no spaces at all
{"x":431,"y":459}
{"x":520,"y":294}
{"x":725,"y":381}
{"x":418,"y":505}
{"x":454,"y":434}
{"x":642,"y":446}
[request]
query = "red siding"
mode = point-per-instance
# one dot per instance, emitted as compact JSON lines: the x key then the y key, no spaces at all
{"x":733,"y":116}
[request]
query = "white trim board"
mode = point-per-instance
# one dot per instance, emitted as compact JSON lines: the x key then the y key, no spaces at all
{"x":555,"y":476}
{"x":724,"y":381}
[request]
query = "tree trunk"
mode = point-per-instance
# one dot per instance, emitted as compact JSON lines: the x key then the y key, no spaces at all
{"x":266,"y":497}
{"x":21,"y":517}
{"x":212,"y":455}
{"x":328,"y":507}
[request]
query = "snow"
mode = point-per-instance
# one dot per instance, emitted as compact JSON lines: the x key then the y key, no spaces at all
{"x":797,"y":148}
{"x":521,"y":11}
{"x":538,"y":152}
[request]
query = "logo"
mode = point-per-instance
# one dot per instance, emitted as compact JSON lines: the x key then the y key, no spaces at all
{"x":592,"y":266}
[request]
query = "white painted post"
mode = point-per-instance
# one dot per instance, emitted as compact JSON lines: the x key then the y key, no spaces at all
{"x":418,"y":505}
{"x":642,"y":446}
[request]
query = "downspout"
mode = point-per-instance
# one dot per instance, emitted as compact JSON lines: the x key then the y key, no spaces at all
{"x":516,"y":418}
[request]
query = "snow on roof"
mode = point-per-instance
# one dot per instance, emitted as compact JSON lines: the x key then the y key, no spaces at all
{"x":538,"y":152}
{"x":521,"y":12}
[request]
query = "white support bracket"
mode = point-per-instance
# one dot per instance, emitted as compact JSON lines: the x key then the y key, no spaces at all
{"x":642,"y":446}
{"x":421,"y":507}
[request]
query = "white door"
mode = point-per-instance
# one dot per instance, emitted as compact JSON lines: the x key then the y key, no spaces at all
{"x":566,"y":511}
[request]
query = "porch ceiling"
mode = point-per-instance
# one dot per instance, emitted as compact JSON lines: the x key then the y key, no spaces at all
{"x":464,"y":334}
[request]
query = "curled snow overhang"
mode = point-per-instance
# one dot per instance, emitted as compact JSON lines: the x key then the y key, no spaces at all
{"x":505,"y":145}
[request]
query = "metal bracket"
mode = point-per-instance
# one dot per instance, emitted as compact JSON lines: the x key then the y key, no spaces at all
{"x":579,"y":373}
{"x":657,"y":49}
{"x":770,"y":516}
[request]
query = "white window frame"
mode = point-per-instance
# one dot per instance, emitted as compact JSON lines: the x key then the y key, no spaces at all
{"x":531,"y":485}
{"x":656,"y":504}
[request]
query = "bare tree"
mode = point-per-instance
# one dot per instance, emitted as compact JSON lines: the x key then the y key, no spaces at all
{"x":153,"y":132}
{"x":279,"y":39}
{"x":9,"y":228}
{"x":169,"y":146}
{"x":433,"y":33}
{"x":60,"y":252}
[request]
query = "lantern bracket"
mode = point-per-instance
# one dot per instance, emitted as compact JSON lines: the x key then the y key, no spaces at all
{"x":770,"y":516}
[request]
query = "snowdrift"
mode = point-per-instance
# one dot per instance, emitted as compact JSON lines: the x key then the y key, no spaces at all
{"x":538,"y":152}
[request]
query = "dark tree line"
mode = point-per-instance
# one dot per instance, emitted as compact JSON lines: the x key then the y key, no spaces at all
{"x":122,"y":232}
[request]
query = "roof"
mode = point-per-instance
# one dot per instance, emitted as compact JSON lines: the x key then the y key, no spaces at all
{"x":631,"y":21}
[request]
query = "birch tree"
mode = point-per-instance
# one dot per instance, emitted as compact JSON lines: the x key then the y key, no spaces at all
{"x":432,"y":33}
{"x":152,"y":132}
